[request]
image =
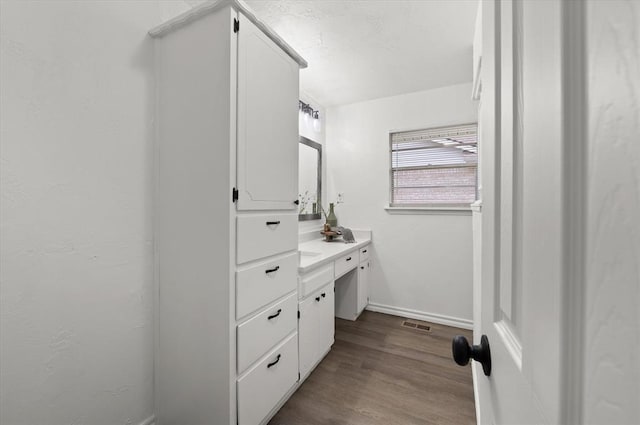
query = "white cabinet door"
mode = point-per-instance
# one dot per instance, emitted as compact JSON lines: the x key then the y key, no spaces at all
{"x":308,"y":333}
{"x":316,"y":327}
{"x":267,"y":173}
{"x":363,"y":285}
{"x":327,"y":319}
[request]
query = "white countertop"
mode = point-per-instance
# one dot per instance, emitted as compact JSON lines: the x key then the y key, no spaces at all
{"x":326,"y":252}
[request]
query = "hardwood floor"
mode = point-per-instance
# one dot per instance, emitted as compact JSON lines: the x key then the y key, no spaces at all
{"x":380,"y":373}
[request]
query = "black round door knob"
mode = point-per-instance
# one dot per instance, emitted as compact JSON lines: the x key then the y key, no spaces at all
{"x":462,"y":352}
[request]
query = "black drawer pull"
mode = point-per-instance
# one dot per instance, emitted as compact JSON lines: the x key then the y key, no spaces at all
{"x":323,"y":295}
{"x":349,"y":259}
{"x":273,"y":223}
{"x":362,"y":267}
{"x":318,"y":299}
{"x":273,"y":316}
{"x":274,"y":362}
{"x":275,"y":269}
{"x":364,"y":251}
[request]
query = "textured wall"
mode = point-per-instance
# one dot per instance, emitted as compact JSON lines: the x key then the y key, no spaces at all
{"x":422,"y":262}
{"x":76,"y":239}
{"x":612,"y":367}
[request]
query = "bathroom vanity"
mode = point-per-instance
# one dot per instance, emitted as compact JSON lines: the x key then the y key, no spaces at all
{"x":325,"y":267}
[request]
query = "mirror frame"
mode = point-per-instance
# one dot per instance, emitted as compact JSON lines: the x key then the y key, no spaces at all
{"x":318,"y":147}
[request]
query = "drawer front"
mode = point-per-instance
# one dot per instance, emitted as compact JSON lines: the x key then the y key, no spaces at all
{"x":264,"y":283}
{"x":260,"y":236}
{"x":260,"y":333}
{"x":262,"y":388}
{"x":364,"y":253}
{"x":314,"y":280}
{"x":345,"y":263}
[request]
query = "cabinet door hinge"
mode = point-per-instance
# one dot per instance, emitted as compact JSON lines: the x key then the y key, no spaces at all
{"x":236,"y":25}
{"x":234,"y":195}
{"x":298,"y":376}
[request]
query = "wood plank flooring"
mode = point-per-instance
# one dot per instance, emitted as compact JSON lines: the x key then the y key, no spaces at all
{"x":380,"y":373}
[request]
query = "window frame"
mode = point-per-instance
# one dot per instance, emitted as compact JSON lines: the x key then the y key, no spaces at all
{"x":437,"y":207}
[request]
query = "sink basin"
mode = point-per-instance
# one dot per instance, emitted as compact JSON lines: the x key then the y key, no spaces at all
{"x":308,"y":253}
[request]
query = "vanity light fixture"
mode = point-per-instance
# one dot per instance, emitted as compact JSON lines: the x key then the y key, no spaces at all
{"x":316,"y":121}
{"x":307,"y":111}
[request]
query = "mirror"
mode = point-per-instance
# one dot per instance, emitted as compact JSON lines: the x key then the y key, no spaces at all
{"x":309,"y":180}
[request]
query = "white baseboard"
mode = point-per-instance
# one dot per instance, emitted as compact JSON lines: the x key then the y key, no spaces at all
{"x":151,"y":420}
{"x":421,"y":315}
{"x":475,"y":373}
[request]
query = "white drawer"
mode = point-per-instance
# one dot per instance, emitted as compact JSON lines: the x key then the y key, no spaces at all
{"x":264,"y":386}
{"x":364,"y":253}
{"x":262,"y":332}
{"x":345,"y":263}
{"x":264,"y":283}
{"x":311,"y":281}
{"x":260,"y":236}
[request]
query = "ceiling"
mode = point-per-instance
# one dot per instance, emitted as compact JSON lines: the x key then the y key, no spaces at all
{"x":366,"y":49}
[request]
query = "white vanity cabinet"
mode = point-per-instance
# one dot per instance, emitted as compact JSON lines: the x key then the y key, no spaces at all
{"x":364,"y":273}
{"x":364,"y":270}
{"x":352,"y":283}
{"x":315,"y":327}
{"x":225,"y":218}
{"x":333,"y":282}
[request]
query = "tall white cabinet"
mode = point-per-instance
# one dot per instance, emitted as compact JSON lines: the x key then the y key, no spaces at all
{"x":225,"y":218}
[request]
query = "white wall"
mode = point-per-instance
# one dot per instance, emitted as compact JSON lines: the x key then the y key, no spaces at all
{"x":77,"y":129}
{"x":422,"y":262}
{"x":612,"y":327}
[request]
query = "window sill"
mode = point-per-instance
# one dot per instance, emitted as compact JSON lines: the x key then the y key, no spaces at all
{"x":436,"y":210}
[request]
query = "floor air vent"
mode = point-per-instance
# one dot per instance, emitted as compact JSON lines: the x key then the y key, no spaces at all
{"x":415,"y":325}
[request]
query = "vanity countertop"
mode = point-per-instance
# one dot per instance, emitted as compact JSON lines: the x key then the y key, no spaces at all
{"x":316,"y":252}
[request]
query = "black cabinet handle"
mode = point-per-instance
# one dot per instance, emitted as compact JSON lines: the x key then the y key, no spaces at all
{"x":362,"y":267}
{"x":274,"y":362}
{"x":297,"y":202}
{"x":273,"y":223}
{"x":273,"y":316}
{"x":349,"y":259}
{"x":364,"y":251}
{"x":324,"y":294}
{"x":318,"y":299}
{"x":275,"y":269}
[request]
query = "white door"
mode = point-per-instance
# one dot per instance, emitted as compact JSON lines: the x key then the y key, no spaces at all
{"x":522,"y":213}
{"x":267,"y":175}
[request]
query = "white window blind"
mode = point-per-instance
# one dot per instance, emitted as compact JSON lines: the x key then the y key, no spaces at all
{"x":436,"y":166}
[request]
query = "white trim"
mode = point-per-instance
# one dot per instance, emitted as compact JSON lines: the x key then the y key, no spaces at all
{"x":151,"y":420}
{"x":511,"y":342}
{"x":208,"y":7}
{"x":421,"y":315}
{"x":429,"y":210}
{"x":475,"y":374}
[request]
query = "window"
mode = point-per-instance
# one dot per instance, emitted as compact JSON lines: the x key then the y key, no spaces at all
{"x":434,"y":167}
